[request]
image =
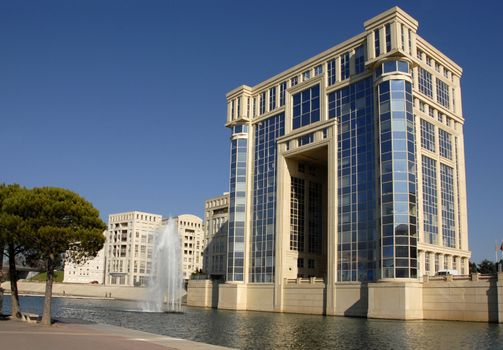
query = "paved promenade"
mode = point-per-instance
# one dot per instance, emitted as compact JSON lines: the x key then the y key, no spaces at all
{"x":21,"y":335}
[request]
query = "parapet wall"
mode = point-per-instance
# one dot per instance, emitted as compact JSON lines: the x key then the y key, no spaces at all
{"x":457,"y":298}
{"x":474,"y":298}
{"x":82,"y":290}
{"x":304,"y":296}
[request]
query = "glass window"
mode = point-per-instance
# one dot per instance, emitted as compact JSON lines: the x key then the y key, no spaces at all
{"x":447,"y":193}
{"x":445,"y":144}
{"x":272,"y":98}
{"x":403,"y":67}
{"x":359,"y":59}
{"x":357,"y":254}
{"x":402,"y":34}
{"x":425,"y":82}
{"x":306,"y":139}
{"x":262,"y":102}
{"x":237,"y":206}
{"x":442,"y":93}
{"x":297,"y":189}
{"x":306,"y":75}
{"x":430,"y":210}
{"x":331,"y":72}
{"x":318,"y":70}
{"x":377,"y":43}
{"x":389,"y":66}
{"x":294,"y":81}
{"x":388,"y":37}
{"x":264,"y":198}
{"x":427,"y":135}
{"x":345,"y":66}
{"x":397,"y":176}
{"x":306,"y":107}
{"x":282,"y":92}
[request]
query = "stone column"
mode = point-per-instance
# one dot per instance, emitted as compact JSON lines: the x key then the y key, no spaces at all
{"x":499,"y":286}
{"x":282,"y":222}
{"x":332,"y":223}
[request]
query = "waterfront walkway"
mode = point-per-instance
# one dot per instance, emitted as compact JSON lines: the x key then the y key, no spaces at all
{"x":21,"y":335}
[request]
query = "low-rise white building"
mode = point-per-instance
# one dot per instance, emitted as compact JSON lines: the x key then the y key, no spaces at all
{"x":90,"y":271}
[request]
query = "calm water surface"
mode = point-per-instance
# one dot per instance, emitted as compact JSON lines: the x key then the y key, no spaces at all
{"x":260,"y":330}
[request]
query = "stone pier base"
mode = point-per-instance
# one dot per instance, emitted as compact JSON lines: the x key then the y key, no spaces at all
{"x":395,"y":300}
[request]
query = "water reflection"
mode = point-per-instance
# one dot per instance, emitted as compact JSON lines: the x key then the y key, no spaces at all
{"x":260,"y":330}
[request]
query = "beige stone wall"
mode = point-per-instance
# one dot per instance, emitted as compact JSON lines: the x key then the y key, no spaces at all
{"x":304,"y":298}
{"x":232,"y":296}
{"x":395,"y":300}
{"x":198,"y":293}
{"x":82,"y":290}
{"x":462,"y":300}
{"x":351,"y":299}
{"x":260,"y":297}
{"x":202,"y":293}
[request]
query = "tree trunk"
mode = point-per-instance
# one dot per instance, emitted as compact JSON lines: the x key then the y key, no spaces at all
{"x":15,"y":308}
{"x":2,"y":246}
{"x":46,"y":316}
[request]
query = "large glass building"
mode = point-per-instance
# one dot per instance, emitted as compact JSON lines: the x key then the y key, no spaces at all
{"x":349,"y":167}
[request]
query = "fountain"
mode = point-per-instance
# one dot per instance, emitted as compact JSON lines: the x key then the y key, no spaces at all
{"x":165,"y":289}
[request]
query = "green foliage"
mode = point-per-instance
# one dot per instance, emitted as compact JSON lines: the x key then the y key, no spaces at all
{"x":46,"y":222}
{"x":473,"y":267}
{"x":42,"y":277}
{"x":486,"y":267}
{"x":55,"y":220}
{"x":12,"y":226}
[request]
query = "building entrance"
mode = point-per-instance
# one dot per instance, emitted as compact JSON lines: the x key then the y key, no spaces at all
{"x":307,"y":252}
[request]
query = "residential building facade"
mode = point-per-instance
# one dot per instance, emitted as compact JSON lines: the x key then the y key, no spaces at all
{"x":216,"y":216}
{"x":190,"y":229}
{"x":129,"y":246}
{"x":348,"y":169}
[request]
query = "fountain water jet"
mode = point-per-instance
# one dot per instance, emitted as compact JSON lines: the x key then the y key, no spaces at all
{"x":165,"y":289}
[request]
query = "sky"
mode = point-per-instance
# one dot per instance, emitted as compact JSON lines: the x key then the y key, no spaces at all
{"x":124,"y":101}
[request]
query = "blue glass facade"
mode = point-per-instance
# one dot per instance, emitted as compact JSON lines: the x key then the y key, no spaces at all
{"x":448,"y":218}
{"x":264,"y":198}
{"x":427,"y":135}
{"x":306,"y":107}
{"x":445,"y":144}
{"x":345,"y":66}
{"x":377,"y":157}
{"x":398,"y":180}
{"x":357,"y":237}
{"x":430,"y":206}
{"x":359,"y":59}
{"x":237,"y":204}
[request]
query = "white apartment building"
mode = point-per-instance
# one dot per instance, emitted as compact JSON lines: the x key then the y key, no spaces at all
{"x":91,"y":271}
{"x":128,"y":247}
{"x":190,"y":229}
{"x":216,"y":216}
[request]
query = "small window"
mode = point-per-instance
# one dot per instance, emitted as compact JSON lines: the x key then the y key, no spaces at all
{"x":311,"y":264}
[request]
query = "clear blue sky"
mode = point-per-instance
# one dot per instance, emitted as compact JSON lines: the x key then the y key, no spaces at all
{"x":124,"y":101}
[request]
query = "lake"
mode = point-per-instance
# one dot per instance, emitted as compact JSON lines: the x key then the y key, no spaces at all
{"x":261,"y":330}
